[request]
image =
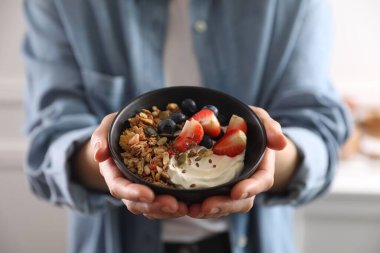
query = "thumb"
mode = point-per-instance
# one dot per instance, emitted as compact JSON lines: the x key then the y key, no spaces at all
{"x":99,"y":140}
{"x":276,"y":139}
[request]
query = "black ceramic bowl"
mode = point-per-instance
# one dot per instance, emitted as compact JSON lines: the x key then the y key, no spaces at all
{"x":227,"y":105}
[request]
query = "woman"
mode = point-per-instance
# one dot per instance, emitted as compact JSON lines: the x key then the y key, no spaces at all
{"x":86,"y":59}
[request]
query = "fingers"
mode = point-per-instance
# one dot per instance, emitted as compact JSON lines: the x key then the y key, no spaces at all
{"x":242,"y":194}
{"x":262,"y":180}
{"x":163,"y":207}
{"x":195,"y":211}
{"x":99,"y":139}
{"x":218,"y":206}
{"x":224,"y":205}
{"x":276,"y":139}
{"x":138,"y":198}
{"x":182,"y":211}
{"x":122,"y":188}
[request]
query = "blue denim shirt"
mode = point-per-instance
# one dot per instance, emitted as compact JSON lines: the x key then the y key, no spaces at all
{"x":87,"y":58}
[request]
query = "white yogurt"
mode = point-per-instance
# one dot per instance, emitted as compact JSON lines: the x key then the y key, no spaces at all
{"x":205,"y":175}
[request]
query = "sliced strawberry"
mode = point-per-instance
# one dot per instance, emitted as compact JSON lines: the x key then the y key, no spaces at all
{"x":191,"y":135}
{"x":237,"y":122}
{"x":209,"y":122}
{"x":231,"y":144}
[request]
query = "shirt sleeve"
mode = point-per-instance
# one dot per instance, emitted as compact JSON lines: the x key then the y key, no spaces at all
{"x":307,"y":105}
{"x":58,"y":119}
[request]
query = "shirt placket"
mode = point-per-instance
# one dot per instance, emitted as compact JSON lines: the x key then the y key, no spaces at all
{"x":199,"y":18}
{"x":152,"y":20}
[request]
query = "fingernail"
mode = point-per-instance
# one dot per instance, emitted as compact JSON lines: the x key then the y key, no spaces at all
{"x":215,"y":210}
{"x":167,"y":210}
{"x":244,"y":195}
{"x":96,"y":149}
{"x":97,"y":145}
{"x":201,"y":215}
{"x":144,"y":200}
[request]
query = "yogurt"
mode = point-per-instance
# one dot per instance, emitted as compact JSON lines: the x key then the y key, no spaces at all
{"x":210,"y":171}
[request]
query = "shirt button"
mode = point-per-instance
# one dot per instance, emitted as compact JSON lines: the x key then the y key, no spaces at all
{"x":200,"y":26}
{"x":242,"y":241}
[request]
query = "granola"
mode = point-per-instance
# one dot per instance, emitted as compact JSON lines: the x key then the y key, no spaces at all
{"x":178,"y":147}
{"x":146,"y":153}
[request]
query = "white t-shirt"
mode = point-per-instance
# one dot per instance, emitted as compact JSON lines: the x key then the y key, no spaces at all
{"x":181,"y":68}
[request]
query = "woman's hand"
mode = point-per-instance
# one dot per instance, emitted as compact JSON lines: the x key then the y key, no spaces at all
{"x":97,"y":170}
{"x":138,"y":198}
{"x":243,"y":193}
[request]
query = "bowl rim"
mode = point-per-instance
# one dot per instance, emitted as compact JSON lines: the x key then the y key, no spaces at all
{"x":115,"y":155}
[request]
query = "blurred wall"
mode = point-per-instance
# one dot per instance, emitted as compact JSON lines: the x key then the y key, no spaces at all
{"x":356,"y":52}
{"x":26,"y":223}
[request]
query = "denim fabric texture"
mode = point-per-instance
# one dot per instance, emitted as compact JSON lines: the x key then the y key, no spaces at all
{"x":88,"y":58}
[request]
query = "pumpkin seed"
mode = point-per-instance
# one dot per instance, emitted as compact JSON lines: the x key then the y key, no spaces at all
{"x":150,"y":131}
{"x":201,"y":151}
{"x":205,"y":152}
{"x":208,"y":153}
{"x":165,"y":158}
{"x":162,"y":141}
{"x":182,"y":158}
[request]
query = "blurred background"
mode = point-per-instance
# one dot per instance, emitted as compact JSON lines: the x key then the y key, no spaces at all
{"x":348,"y":220}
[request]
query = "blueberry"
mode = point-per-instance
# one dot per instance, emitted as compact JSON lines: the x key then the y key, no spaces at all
{"x":223,"y":120}
{"x":212,"y":108}
{"x":178,"y":117}
{"x":206,"y":142}
{"x":188,"y":107}
{"x":217,"y":138}
{"x":166,"y":126}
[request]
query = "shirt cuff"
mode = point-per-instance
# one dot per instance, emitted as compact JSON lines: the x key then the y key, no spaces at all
{"x":312,"y":176}
{"x":65,"y":191}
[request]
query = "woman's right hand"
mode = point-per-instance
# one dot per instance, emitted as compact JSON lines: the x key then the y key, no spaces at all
{"x":138,"y":198}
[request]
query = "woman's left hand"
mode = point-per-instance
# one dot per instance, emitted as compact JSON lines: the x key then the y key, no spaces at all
{"x":243,"y":193}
